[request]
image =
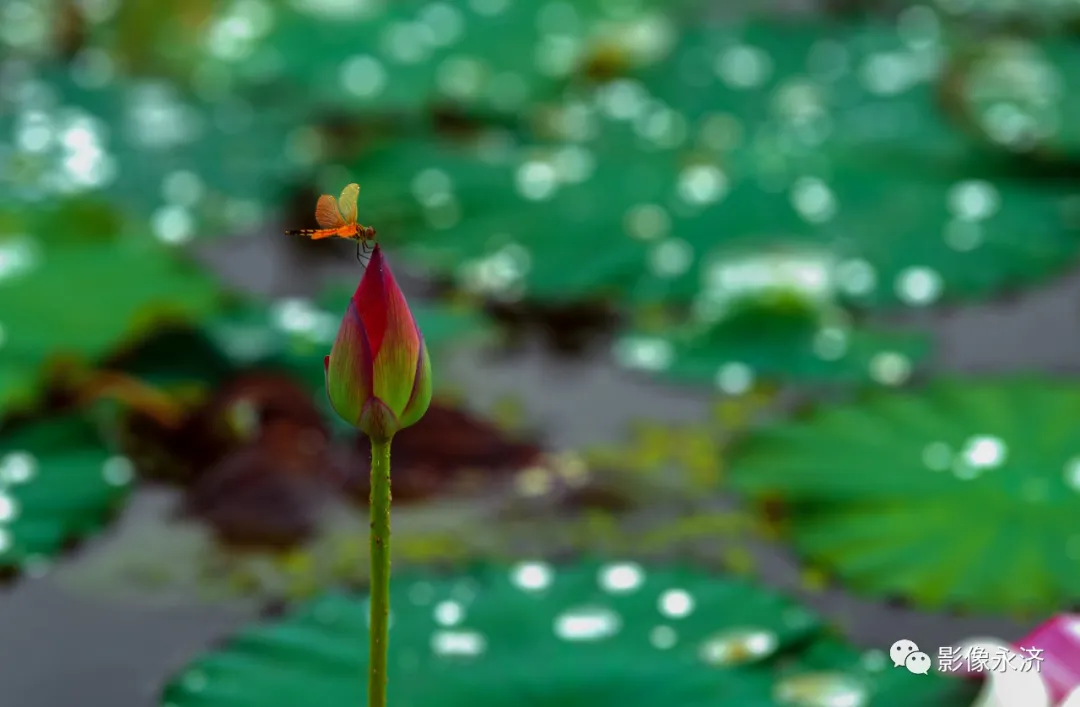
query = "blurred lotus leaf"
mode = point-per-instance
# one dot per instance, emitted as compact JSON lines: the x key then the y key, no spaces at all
{"x":802,"y":84}
{"x":259,"y":460}
{"x":405,"y":57}
{"x":153,"y":37}
{"x":58,"y":485}
{"x":291,"y":335}
{"x":1045,"y":17}
{"x":1018,"y":95}
{"x":543,"y":223}
{"x":86,"y":300}
{"x":633,"y":216}
{"x":226,"y":381}
{"x":268,"y":491}
{"x":825,"y":662}
{"x":840,"y":120}
{"x":750,"y":346}
{"x":247,"y":409}
{"x":963,"y":495}
{"x":877,"y":228}
{"x":175,"y":164}
{"x":175,"y":356}
{"x":42,"y":30}
{"x":596,"y":634}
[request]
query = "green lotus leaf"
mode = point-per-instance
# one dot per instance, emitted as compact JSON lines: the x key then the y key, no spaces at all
{"x":58,"y":485}
{"x":877,"y":228}
{"x":884,"y":228}
{"x":1019,"y":96}
{"x":960,"y":495}
{"x":617,"y":199}
{"x":86,"y":300}
{"x":1045,"y":17}
{"x":172,"y":162}
{"x":293,"y":334}
{"x":800,"y":131}
{"x":545,"y":221}
{"x":490,"y":56}
{"x":827,"y":666}
{"x":18,"y":384}
{"x":737,"y":352}
{"x":589,"y":634}
{"x":804,"y":84}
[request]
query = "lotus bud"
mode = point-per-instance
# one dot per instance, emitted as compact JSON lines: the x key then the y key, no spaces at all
{"x":378,"y":373}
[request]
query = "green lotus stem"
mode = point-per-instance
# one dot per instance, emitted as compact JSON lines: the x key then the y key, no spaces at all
{"x":378,"y":379}
{"x":379,"y":634}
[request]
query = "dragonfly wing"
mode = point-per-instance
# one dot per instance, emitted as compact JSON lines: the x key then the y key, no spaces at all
{"x":347,"y":202}
{"x":327,"y":214}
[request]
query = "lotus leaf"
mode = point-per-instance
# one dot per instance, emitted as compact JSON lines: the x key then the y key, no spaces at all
{"x":960,"y":495}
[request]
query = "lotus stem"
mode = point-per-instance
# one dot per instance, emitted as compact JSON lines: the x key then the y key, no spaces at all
{"x":379,"y":633}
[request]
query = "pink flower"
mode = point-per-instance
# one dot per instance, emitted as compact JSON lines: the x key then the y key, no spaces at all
{"x":378,"y":374}
{"x":1052,"y":650}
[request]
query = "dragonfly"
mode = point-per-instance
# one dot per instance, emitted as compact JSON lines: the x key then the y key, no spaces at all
{"x":337,"y":219}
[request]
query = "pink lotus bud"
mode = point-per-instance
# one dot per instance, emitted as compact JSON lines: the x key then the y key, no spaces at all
{"x":378,"y":374}
{"x":1053,"y":651}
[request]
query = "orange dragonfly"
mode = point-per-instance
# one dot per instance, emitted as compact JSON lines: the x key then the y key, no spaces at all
{"x":337,"y":218}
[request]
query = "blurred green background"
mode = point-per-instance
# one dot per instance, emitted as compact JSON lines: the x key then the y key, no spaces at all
{"x":755,"y":336}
